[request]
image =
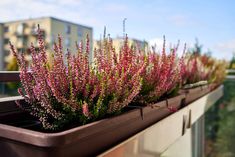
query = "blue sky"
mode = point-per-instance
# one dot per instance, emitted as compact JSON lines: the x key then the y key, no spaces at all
{"x":211,"y":21}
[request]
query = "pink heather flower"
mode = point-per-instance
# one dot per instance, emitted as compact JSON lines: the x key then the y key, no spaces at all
{"x":85,"y":109}
{"x":197,"y":68}
{"x":161,"y":75}
{"x":111,"y":82}
{"x":172,"y":109}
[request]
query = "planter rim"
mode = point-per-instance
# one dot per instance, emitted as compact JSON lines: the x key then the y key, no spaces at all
{"x":179,"y":96}
{"x":194,"y":89}
{"x":54,"y":139}
{"x":68,"y":136}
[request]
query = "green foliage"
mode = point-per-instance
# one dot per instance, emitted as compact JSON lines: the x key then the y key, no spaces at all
{"x":220,"y":123}
{"x":232,"y":63}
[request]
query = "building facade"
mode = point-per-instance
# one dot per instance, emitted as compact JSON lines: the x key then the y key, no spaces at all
{"x":1,"y":47}
{"x":21,"y":33}
{"x":140,"y":44}
{"x":118,"y":42}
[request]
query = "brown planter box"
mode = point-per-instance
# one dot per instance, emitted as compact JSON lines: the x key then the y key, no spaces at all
{"x":176,"y":102}
{"x":162,"y":109}
{"x":10,"y":113}
{"x":213,"y":86}
{"x":194,"y":93}
{"x":86,"y":140}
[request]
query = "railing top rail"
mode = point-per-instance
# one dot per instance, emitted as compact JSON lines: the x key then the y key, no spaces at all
{"x":3,"y":72}
{"x":13,"y":76}
{"x":11,"y":98}
{"x":230,"y":70}
{"x":9,"y":76}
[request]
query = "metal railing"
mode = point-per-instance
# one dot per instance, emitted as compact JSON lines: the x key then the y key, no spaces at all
{"x":229,"y":75}
{"x":230,"y":70}
{"x":6,"y":77}
{"x":13,"y":76}
{"x":9,"y":76}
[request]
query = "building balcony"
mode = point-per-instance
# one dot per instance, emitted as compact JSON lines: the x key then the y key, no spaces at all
{"x":20,"y":34}
{"x":34,"y":32}
{"x":20,"y":45}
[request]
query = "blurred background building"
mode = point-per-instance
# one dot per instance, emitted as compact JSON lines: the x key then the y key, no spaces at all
{"x":1,"y":47}
{"x":118,"y":42}
{"x":22,"y":32}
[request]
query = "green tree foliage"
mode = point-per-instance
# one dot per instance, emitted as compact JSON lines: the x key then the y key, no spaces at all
{"x":220,"y":124}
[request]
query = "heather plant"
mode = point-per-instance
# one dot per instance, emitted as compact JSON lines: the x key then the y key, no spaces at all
{"x":219,"y":71}
{"x":72,"y":91}
{"x":217,"y":68}
{"x":202,"y":69}
{"x":67,"y":90}
{"x":208,"y":63}
{"x":121,"y":72}
{"x":162,"y":75}
{"x":198,"y":67}
{"x":195,"y":69}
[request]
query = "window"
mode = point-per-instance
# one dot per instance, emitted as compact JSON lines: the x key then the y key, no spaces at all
{"x":20,"y":40}
{"x":79,"y":32}
{"x":20,"y":28}
{"x":67,"y":29}
{"x":6,"y":29}
{"x":6,"y":52}
{"x":67,"y":42}
{"x":53,"y":38}
{"x":6,"y":41}
{"x":34,"y":29}
{"x":19,"y":50}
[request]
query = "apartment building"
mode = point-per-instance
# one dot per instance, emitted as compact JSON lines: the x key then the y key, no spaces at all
{"x":141,"y":44}
{"x":118,"y":42}
{"x":1,"y":47}
{"x":22,"y":32}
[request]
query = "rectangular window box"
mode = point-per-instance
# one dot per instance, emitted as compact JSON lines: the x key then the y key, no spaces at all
{"x":17,"y":139}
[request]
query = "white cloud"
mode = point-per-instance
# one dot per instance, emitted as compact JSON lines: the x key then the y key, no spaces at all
{"x":226,"y":46}
{"x":180,"y":20}
{"x":115,"y":8}
{"x":72,"y":10}
{"x":224,"y":50}
{"x":158,"y":44}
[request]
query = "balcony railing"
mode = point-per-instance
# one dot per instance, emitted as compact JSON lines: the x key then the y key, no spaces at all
{"x":182,"y":127}
{"x":9,"y":76}
{"x":5,"y":92}
{"x":13,"y":76}
{"x":230,"y":73}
